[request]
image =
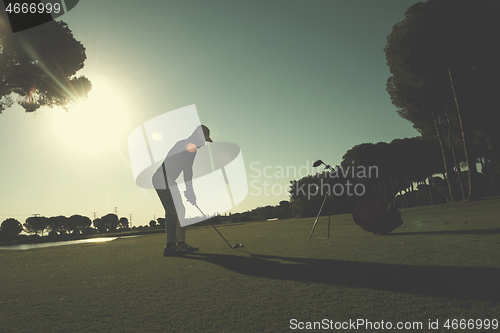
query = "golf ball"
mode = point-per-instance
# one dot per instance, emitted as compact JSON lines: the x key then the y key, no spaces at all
{"x":241,"y":245}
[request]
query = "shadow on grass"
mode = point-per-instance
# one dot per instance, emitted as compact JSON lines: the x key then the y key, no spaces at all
{"x":449,"y":232}
{"x":462,"y":282}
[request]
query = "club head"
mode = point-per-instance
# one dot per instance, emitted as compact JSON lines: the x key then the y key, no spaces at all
{"x":317,"y":163}
{"x":235,"y":246}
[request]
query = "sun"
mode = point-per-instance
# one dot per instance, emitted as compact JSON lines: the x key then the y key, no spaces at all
{"x":96,"y":123}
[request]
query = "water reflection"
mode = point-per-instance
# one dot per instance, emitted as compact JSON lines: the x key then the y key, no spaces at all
{"x":49,"y":244}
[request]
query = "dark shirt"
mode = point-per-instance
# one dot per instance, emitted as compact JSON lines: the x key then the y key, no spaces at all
{"x":179,"y":159}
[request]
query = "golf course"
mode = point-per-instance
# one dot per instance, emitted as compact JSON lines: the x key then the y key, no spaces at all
{"x":441,"y":267}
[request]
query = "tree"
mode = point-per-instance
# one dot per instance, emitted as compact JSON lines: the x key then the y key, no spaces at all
{"x":34,"y":224}
{"x":100,"y":225}
{"x":76,"y":223}
{"x":57,"y":224}
{"x":72,"y":223}
{"x":161,"y":221}
{"x":39,"y":66}
{"x":123,"y":223}
{"x":110,"y":221}
{"x":214,"y":220}
{"x":152,"y":223}
{"x":400,"y":164}
{"x":284,"y":210}
{"x":443,"y":58}
{"x":305,"y":200}
{"x":11,"y":228}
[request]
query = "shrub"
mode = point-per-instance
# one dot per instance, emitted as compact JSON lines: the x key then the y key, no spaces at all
{"x":89,"y":231}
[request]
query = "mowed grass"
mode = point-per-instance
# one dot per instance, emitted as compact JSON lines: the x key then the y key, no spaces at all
{"x":443,"y":263}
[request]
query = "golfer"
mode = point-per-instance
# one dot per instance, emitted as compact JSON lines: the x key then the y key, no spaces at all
{"x":179,"y":159}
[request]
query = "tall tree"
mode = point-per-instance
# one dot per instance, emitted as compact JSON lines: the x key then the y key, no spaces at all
{"x":38,"y":67}
{"x":440,"y":40}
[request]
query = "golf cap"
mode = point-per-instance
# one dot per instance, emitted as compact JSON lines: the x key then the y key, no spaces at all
{"x":206,"y":132}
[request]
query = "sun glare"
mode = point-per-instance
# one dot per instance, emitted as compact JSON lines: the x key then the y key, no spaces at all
{"x":96,"y":123}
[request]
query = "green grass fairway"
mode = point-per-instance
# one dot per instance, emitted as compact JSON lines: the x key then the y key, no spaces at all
{"x":442,"y":263}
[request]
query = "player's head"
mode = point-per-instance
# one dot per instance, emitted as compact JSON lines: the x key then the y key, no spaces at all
{"x":200,"y":135}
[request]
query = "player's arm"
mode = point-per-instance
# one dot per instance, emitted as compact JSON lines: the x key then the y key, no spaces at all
{"x":188,"y":180}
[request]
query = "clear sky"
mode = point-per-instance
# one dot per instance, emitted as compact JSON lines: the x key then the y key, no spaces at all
{"x":289,"y":81}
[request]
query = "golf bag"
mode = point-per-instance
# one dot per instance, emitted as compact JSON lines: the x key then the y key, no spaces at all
{"x":372,"y":214}
{"x":369,"y":211}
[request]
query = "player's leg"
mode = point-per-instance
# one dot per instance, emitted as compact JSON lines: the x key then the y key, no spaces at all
{"x":181,"y":231}
{"x":171,"y":222}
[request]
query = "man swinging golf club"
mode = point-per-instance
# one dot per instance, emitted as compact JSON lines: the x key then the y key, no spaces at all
{"x":179,"y":159}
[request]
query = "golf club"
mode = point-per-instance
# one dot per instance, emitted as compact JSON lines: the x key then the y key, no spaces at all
{"x":319,"y":162}
{"x":235,"y":246}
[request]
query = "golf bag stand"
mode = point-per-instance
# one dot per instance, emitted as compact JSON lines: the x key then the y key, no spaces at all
{"x":369,"y":211}
{"x":316,"y":164}
{"x":319,"y":213}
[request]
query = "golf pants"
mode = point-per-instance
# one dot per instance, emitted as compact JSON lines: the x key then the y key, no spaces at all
{"x":174,"y":231}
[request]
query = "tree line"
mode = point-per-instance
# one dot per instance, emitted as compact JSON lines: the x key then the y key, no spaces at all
{"x":410,"y":173}
{"x":280,"y":211}
{"x":83,"y":225}
{"x":62,"y":225}
{"x":443,"y":61}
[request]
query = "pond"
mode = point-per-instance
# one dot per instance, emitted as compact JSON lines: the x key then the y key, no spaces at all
{"x":49,"y":244}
